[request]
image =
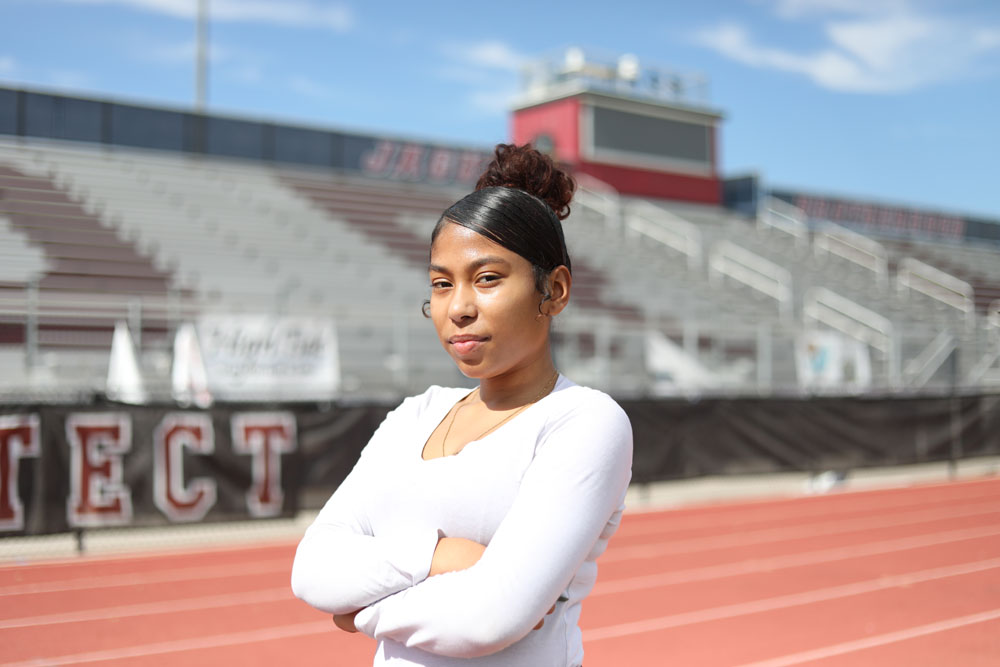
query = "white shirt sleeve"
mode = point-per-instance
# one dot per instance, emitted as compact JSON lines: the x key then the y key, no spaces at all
{"x":339,"y":566}
{"x":573,"y":486}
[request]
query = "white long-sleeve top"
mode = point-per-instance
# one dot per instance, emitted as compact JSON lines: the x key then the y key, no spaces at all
{"x":544,"y":492}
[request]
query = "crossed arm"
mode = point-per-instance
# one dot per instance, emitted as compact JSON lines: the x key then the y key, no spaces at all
{"x":479,"y":600}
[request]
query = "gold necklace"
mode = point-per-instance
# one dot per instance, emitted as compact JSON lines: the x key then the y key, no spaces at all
{"x":549,"y":386}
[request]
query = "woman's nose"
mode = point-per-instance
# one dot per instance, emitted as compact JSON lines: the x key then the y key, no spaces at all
{"x":463,"y":304}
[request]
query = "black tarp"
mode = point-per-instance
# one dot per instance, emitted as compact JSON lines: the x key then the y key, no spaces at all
{"x":315,"y":448}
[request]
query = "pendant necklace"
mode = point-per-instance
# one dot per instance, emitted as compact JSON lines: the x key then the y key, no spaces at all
{"x":549,"y":386}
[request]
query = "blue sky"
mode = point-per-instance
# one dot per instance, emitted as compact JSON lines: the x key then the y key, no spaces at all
{"x":888,"y":99}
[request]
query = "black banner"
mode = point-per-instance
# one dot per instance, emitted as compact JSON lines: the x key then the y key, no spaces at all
{"x":89,"y":467}
{"x":79,"y":467}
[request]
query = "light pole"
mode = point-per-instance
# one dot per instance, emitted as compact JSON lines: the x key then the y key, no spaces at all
{"x":201,"y":59}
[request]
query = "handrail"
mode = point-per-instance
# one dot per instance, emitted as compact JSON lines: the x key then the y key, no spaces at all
{"x":93,"y":306}
{"x":784,"y":217}
{"x":920,"y":369}
{"x":857,"y":248}
{"x":839,"y":312}
{"x":666,"y":228}
{"x":599,"y":197}
{"x":993,"y":314}
{"x":935,"y":283}
{"x":749,"y":268}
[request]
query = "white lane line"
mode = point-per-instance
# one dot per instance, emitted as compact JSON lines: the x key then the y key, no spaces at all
{"x":200,"y":643}
{"x":157,"y":577}
{"x":804,"y":507}
{"x":785,"y":601}
{"x":817,"y":528}
{"x":755,"y":565}
{"x":613,"y":555}
{"x":152,"y":608}
{"x":262,"y":544}
{"x":878,"y":640}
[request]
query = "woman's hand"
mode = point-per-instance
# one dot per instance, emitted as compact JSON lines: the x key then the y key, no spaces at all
{"x":542,"y":622}
{"x":450,"y":555}
{"x":346,"y":621}
{"x":455,"y":553}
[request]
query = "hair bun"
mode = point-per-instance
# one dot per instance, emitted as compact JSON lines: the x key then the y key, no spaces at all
{"x":525,"y":168}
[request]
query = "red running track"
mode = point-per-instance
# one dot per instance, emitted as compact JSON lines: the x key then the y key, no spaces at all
{"x":905,"y":576}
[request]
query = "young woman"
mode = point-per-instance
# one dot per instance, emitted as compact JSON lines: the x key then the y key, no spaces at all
{"x":468,"y":532}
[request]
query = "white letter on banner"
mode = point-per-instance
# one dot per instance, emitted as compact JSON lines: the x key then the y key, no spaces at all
{"x":266,"y":436}
{"x":98,"y":494}
{"x":18,"y":439}
{"x":177,"y":501}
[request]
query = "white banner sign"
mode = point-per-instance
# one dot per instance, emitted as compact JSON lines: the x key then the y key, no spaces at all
{"x":254,"y":357}
{"x":827,"y":360}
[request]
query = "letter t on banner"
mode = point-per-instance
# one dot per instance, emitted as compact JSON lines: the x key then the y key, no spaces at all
{"x":98,"y":494}
{"x":266,"y":436}
{"x":18,"y":439}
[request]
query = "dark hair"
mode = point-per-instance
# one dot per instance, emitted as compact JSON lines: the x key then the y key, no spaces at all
{"x":518,"y":203}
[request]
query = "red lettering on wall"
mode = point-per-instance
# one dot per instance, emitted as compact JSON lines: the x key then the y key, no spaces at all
{"x":265,"y":436}
{"x":379,"y":159}
{"x":441,"y":164}
{"x":408,"y":163}
{"x":18,"y":439}
{"x":98,"y":494}
{"x":470,"y":166}
{"x":180,"y":502}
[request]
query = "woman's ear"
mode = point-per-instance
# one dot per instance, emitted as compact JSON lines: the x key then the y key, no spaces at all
{"x":560,"y":283}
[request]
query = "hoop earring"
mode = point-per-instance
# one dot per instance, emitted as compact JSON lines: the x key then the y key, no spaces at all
{"x":545,"y":297}
{"x":425,"y":308}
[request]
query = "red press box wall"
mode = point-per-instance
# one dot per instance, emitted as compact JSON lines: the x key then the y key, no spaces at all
{"x":560,"y":121}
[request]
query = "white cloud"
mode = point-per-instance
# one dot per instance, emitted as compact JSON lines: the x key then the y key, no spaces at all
{"x":490,"y":54}
{"x":289,"y":13}
{"x":7,"y":65}
{"x":487,"y":70}
{"x":797,"y":8}
{"x":879,"y":47}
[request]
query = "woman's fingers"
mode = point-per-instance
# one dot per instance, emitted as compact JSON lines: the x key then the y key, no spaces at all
{"x":542,"y":622}
{"x":345,"y":621}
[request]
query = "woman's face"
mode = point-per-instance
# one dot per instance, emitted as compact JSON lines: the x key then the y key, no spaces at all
{"x":484,"y":304}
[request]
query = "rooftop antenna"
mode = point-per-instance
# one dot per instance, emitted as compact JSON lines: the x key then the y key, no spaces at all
{"x":201,"y":59}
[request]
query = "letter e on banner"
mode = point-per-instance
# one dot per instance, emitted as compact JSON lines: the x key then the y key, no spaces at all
{"x":177,"y":501}
{"x":98,"y":494}
{"x":18,"y":439}
{"x":265,"y":436}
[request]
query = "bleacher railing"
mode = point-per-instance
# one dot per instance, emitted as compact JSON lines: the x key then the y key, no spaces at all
{"x":856,"y":248}
{"x":668,"y":229}
{"x":786,"y":218}
{"x":600,"y":198}
{"x":849,"y":317}
{"x":912,"y":274}
{"x":728,"y":259}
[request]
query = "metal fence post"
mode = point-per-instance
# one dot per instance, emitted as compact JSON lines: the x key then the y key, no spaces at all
{"x":31,"y":326}
{"x":765,"y":358}
{"x":135,"y":321}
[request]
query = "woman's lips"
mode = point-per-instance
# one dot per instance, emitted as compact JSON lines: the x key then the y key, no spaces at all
{"x":464,"y":345}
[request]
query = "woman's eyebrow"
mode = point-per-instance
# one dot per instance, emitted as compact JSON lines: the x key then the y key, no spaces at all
{"x":474,"y":264}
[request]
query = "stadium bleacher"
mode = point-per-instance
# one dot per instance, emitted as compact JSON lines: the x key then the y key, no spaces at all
{"x":95,"y":234}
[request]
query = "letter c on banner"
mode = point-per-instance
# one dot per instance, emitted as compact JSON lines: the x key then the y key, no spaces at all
{"x":180,"y":502}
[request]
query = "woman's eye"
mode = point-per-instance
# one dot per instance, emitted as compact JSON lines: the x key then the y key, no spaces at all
{"x":488,"y":279}
{"x":439,"y":284}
